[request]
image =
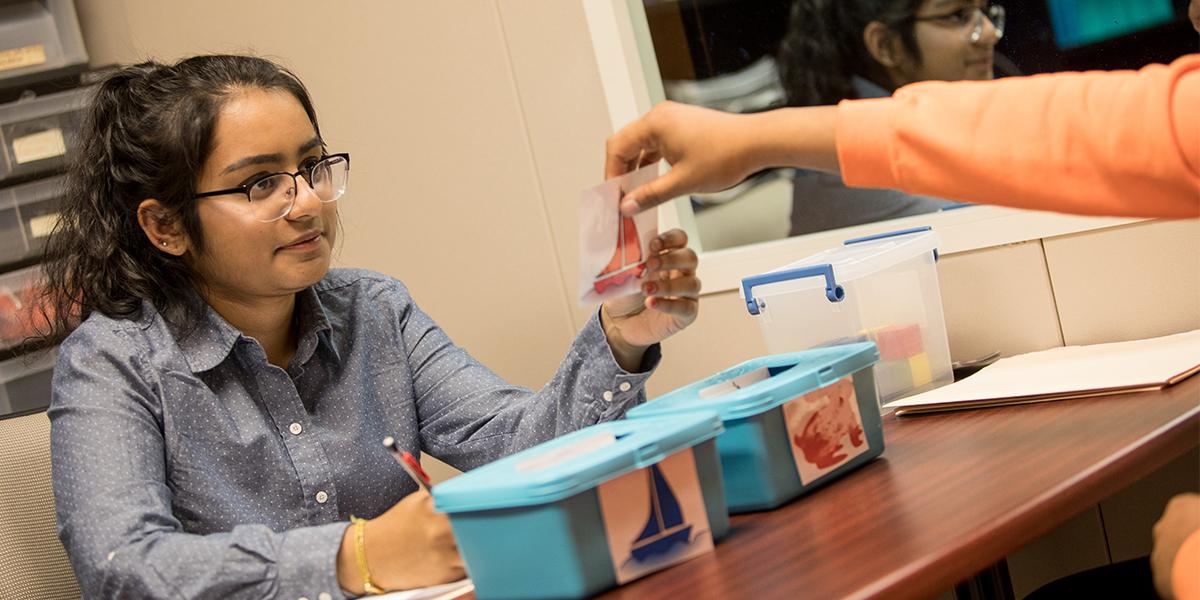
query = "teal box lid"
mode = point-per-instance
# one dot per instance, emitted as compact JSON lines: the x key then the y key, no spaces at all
{"x":573,"y":463}
{"x":776,"y":380}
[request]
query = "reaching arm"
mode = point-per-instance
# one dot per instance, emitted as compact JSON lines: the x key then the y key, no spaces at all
{"x":1119,"y":143}
{"x":1103,"y":143}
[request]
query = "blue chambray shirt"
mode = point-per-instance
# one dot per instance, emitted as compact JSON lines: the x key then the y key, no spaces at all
{"x":193,"y":468}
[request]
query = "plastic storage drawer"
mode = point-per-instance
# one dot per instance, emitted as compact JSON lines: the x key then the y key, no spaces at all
{"x":21,"y":316}
{"x":793,"y":422}
{"x":25,"y":382}
{"x":590,"y":510}
{"x":39,"y":40}
{"x":28,"y":213}
{"x":39,"y":132}
{"x":882,"y":288}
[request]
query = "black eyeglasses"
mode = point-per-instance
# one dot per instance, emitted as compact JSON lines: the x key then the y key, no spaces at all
{"x":972,"y":16}
{"x":273,"y":195}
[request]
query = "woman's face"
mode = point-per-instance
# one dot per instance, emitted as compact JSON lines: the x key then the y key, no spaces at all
{"x":259,"y":132}
{"x":943,"y":34}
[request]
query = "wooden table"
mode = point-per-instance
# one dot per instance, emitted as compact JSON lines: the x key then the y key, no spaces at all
{"x":952,"y":494}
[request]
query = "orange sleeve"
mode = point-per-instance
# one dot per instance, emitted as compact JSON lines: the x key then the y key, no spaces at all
{"x":1185,"y":571}
{"x":1122,"y":143}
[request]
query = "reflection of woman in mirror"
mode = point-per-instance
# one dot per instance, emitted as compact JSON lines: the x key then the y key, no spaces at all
{"x":850,"y":49}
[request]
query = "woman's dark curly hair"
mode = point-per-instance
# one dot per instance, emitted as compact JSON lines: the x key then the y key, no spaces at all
{"x":824,"y":49}
{"x":146,"y":134}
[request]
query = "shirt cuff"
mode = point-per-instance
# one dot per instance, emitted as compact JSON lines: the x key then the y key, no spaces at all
{"x":621,"y":390}
{"x":864,"y":131}
{"x":308,"y":562}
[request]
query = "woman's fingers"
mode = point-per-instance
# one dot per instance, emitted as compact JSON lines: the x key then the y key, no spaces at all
{"x":677,"y":287}
{"x":683,"y":308}
{"x":684,"y":260}
{"x":669,"y":240}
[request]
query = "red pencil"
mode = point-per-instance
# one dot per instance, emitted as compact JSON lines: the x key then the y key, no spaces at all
{"x":408,"y":462}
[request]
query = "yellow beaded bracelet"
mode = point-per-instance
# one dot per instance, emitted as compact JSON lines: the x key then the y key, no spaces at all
{"x":360,"y":552}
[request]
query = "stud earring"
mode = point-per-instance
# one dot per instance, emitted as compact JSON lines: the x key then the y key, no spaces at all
{"x":163,"y":242}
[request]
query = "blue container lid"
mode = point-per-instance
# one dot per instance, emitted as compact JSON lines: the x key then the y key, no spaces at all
{"x":574,"y":463}
{"x":790,"y":375}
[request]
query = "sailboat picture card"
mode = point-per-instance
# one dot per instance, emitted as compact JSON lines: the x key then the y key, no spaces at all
{"x":613,"y":248}
{"x":655,"y":517}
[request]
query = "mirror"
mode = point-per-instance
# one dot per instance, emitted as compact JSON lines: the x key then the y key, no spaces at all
{"x":753,"y":55}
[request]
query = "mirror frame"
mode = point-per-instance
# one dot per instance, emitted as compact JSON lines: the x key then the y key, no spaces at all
{"x":630,"y":78}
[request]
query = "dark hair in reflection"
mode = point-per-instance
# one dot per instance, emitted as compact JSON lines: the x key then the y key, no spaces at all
{"x":146,"y":134}
{"x":824,"y":49}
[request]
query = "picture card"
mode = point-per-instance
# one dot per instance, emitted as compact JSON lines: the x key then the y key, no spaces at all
{"x":613,"y":248}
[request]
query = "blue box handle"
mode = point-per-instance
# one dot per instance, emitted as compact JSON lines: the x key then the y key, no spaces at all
{"x":897,"y":233}
{"x":833,"y":291}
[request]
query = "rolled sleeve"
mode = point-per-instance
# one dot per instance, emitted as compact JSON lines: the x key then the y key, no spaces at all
{"x":864,"y":146}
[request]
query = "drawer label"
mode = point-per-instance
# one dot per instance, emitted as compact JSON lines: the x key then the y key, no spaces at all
{"x":825,"y":429}
{"x":39,"y":146}
{"x":655,"y":517}
{"x":25,"y":56}
{"x":42,"y":225}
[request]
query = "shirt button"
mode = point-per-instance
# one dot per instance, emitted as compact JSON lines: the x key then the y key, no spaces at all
{"x":322,"y":497}
{"x":324,"y":596}
{"x":295,"y":428}
{"x":624,"y":387}
{"x":608,"y":395}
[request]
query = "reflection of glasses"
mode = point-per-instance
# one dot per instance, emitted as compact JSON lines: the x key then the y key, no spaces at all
{"x":972,"y":17}
{"x":273,"y":195}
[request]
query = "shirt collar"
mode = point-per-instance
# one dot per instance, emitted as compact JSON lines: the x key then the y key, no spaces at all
{"x":213,"y":338}
{"x":314,"y":327}
{"x":864,"y":88}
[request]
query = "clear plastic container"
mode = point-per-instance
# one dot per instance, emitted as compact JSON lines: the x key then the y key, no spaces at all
{"x":39,"y":40}
{"x":882,"y":288}
{"x":28,"y":213}
{"x":25,"y":381}
{"x":37,"y":133}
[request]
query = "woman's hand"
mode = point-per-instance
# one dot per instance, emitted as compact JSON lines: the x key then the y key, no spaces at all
{"x":409,"y":546}
{"x":668,"y":302}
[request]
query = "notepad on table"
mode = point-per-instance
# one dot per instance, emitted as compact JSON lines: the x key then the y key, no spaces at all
{"x":446,"y":591}
{"x":1066,"y":373}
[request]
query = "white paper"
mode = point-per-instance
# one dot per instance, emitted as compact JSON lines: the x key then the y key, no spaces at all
{"x":732,"y":385}
{"x":608,"y":267}
{"x":565,"y":453}
{"x":445,"y":591}
{"x":1072,"y":370}
{"x":39,"y":146}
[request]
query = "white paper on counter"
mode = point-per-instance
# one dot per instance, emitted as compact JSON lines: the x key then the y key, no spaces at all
{"x":1068,"y":372}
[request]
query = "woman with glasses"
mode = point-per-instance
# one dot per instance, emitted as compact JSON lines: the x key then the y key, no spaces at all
{"x":850,"y":49}
{"x":220,"y":400}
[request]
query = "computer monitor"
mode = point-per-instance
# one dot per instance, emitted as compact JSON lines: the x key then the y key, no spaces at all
{"x":1083,"y":22}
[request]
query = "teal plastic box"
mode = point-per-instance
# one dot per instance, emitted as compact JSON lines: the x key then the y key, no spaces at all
{"x":793,"y":422}
{"x":590,"y":510}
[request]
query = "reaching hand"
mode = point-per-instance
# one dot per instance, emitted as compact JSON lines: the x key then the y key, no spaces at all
{"x":668,"y":302}
{"x":708,"y":151}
